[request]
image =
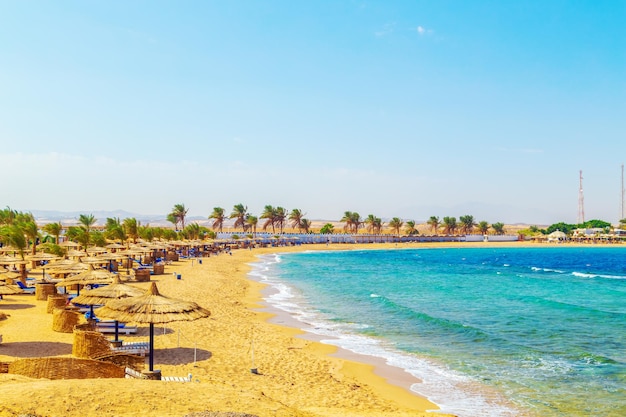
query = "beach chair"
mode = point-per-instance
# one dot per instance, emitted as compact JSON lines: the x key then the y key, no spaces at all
{"x":132,"y":374}
{"x":176,"y":378}
{"x":133,"y":348}
{"x":24,"y":288}
{"x":109,"y":327}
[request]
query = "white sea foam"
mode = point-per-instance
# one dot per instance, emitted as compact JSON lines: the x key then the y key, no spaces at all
{"x":453,"y":392}
{"x":558,"y":271}
{"x":589,"y":275}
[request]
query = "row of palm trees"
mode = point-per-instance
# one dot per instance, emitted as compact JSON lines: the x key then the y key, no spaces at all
{"x":448,"y":225}
{"x":277,"y":217}
{"x":18,"y":229}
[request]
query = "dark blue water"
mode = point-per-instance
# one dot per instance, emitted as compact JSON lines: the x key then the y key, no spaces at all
{"x":498,"y":332}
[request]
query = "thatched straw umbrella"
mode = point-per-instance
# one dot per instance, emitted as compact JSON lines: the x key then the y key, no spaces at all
{"x":115,"y":245}
{"x":89,"y":276}
{"x":152,"y":308}
{"x":68,"y":266}
{"x":101,"y":295}
{"x":8,"y":290}
{"x":69,"y":244}
{"x":9,"y":275}
{"x":96,"y":250}
{"x":42,"y":257}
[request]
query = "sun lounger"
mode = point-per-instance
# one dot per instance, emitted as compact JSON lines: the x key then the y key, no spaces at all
{"x":111,"y":329}
{"x":134,"y":348}
{"x":132,"y":374}
{"x":176,"y":378}
{"x":24,"y":288}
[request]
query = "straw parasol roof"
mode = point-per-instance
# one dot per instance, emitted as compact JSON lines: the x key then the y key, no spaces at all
{"x":152,"y":307}
{"x":4,"y":275}
{"x":76,"y":253}
{"x":93,"y":260}
{"x":69,"y":244}
{"x":42,"y":257}
{"x":102,"y":295}
{"x":7,"y":259}
{"x":9,"y":290}
{"x":96,"y":249}
{"x":69,"y":267}
{"x":115,"y":245}
{"x":90,"y":276}
{"x":110,"y":256}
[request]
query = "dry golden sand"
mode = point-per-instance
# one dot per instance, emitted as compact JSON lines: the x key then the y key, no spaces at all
{"x":297,"y":377}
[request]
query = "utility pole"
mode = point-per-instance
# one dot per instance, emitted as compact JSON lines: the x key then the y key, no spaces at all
{"x":581,"y":201}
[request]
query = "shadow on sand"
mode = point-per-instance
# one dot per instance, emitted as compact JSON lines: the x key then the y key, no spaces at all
{"x":180,"y":356}
{"x":34,"y":349}
{"x":7,"y":305}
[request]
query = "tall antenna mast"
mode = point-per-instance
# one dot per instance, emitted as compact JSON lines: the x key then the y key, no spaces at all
{"x":581,"y":201}
{"x":622,"y":200}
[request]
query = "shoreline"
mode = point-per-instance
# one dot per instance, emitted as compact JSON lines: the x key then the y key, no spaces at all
{"x":391,"y":375}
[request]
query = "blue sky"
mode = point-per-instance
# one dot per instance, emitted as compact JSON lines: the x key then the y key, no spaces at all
{"x":392,"y":108}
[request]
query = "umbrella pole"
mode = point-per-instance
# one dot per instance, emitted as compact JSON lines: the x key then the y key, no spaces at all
{"x":151,"y":362}
{"x":117,"y":332}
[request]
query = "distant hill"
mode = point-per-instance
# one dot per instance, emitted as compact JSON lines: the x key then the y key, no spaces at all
{"x":71,"y":217}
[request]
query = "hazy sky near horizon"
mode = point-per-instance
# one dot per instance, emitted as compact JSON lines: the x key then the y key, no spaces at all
{"x":392,"y":108}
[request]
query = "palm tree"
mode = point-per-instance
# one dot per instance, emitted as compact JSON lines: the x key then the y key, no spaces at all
{"x":113,"y":229}
{"x":79,"y":234}
{"x":467,"y":224}
{"x":86,"y":221}
{"x":449,"y":225}
{"x":296,"y":216}
{"x":251,"y":222}
{"x":353,"y":221}
{"x":498,"y":228}
{"x":179,"y":212}
{"x":218,"y":217}
{"x":396,"y":224}
{"x":7,"y":215}
{"x":31,"y":231}
{"x":280,"y":217}
{"x":483,"y":227}
{"x":131,"y":228}
{"x":347,"y":219}
{"x":13,"y":235}
{"x":433,"y":222}
{"x":55,"y":230}
{"x":269,"y":214}
{"x":305,"y":224}
{"x":371,"y":221}
{"x":172,"y":219}
{"x":410,"y":228}
{"x":97,"y":238}
{"x":239,"y":212}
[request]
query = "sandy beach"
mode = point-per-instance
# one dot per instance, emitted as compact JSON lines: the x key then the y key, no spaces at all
{"x":296,"y":376}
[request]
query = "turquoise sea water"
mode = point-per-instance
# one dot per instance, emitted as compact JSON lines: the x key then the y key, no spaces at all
{"x":490,"y":331}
